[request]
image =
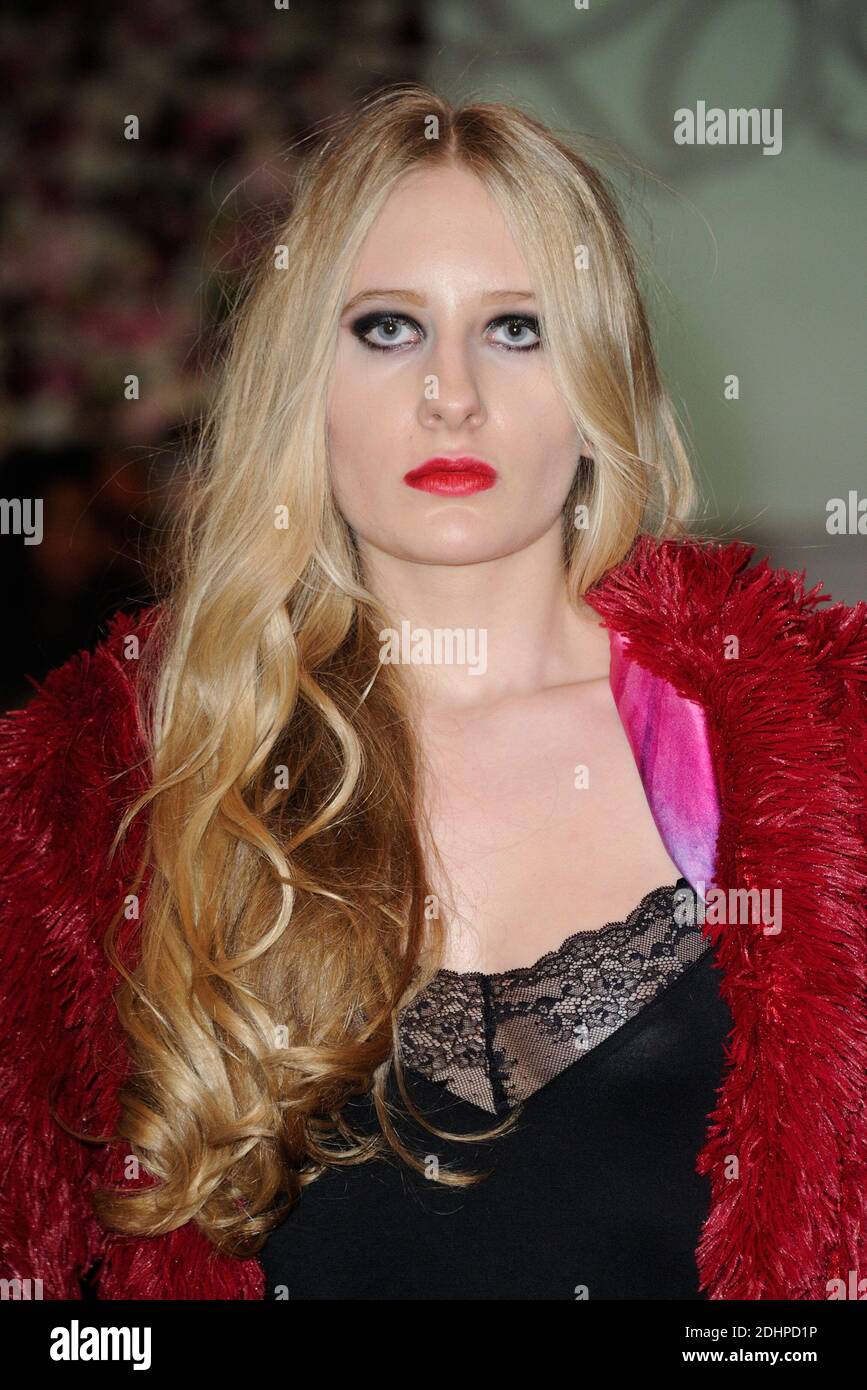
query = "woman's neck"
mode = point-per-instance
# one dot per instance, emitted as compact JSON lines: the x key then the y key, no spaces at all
{"x":469,"y":636}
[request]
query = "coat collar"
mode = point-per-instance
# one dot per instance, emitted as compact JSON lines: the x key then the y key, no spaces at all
{"x":670,"y":742}
{"x":775,"y":678}
{"x":768,"y":794}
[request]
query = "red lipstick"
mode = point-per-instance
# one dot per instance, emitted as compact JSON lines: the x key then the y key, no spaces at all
{"x":452,"y":477}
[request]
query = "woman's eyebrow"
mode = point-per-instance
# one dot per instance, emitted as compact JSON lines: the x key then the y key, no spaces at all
{"x":414,"y":298}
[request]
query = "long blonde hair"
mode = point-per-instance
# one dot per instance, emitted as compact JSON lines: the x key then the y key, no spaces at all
{"x":284,"y":924}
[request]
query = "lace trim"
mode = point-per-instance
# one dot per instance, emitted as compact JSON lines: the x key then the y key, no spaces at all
{"x":495,"y":1039}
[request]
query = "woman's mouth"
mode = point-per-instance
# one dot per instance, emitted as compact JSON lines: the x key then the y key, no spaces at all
{"x":452,"y":477}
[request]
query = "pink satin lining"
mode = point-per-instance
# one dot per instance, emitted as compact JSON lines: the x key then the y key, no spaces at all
{"x":669,"y":740}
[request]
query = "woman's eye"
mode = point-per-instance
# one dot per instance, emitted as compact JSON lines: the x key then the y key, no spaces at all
{"x":392,"y":330}
{"x":523,"y":323}
{"x":389,"y":325}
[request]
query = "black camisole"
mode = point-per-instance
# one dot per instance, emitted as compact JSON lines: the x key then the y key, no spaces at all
{"x":612,"y":1049}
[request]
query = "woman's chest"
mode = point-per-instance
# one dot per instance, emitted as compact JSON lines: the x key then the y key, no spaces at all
{"x":540,"y":819}
{"x":596,"y":1187}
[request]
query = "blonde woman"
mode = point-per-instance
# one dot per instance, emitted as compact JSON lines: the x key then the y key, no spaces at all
{"x":453,"y":887}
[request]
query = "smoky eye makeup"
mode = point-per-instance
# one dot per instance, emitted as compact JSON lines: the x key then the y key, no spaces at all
{"x":394,"y":326}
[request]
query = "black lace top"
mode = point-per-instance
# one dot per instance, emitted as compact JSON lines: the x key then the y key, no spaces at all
{"x":494,"y":1039}
{"x":613,"y":1045}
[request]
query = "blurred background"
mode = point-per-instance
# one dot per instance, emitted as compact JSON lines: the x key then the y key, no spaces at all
{"x":116,"y":253}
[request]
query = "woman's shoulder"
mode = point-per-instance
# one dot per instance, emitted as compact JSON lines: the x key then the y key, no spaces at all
{"x":92,"y":671}
{"x":71,"y":758}
{"x":75,"y":725}
{"x":692,"y":579}
{"x":747,"y":640}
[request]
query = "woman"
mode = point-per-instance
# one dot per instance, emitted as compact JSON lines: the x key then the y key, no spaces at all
{"x":408,"y":804}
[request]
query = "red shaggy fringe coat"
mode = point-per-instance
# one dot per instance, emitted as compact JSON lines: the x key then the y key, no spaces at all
{"x":787,"y":723}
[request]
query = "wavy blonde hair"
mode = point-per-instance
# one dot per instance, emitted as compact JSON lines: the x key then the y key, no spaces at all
{"x":285,"y":924}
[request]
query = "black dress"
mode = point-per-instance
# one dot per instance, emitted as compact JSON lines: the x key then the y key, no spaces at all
{"x":613,"y":1047}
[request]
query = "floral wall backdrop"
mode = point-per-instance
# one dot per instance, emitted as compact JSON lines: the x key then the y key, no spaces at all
{"x":118,"y":253}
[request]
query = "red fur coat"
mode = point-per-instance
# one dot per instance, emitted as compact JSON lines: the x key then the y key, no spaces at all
{"x":787,"y":729}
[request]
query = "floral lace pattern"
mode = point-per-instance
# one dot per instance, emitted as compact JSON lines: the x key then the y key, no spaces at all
{"x":495,"y":1039}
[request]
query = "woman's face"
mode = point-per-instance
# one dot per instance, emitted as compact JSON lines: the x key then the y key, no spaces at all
{"x":440,"y":358}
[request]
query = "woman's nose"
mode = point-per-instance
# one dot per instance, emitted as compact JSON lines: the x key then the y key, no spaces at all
{"x":450,"y":389}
